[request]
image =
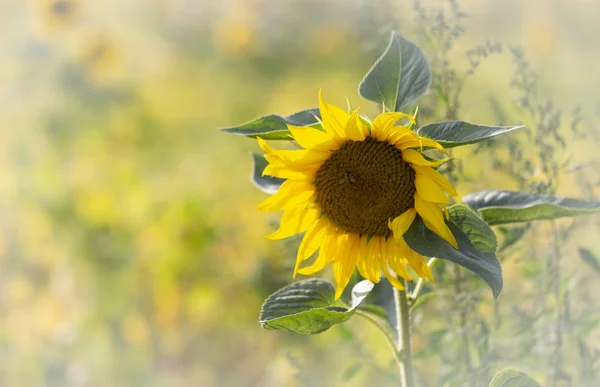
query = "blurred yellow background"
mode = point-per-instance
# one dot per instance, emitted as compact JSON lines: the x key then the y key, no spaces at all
{"x":131,"y":252}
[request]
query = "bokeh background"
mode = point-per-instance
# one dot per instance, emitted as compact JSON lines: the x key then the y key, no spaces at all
{"x":131,"y":251}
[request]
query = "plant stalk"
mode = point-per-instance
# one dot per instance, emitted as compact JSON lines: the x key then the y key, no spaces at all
{"x":556,"y":357}
{"x":404,"y":344}
{"x":419,"y":286}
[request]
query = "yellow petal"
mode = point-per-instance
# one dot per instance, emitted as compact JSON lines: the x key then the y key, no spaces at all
{"x":400,"y":224}
{"x":437,"y":178}
{"x":343,"y":268}
{"x":312,"y":240}
{"x":342,"y":245}
{"x":373,"y":254}
{"x":373,"y":249}
{"x":284,"y":191}
{"x":429,"y":190}
{"x":434,"y":219}
{"x":264,"y":145}
{"x":326,"y":253}
{"x":391,"y":278}
{"x":297,"y":157}
{"x":416,"y":158}
{"x":396,"y":260}
{"x":399,"y":267}
{"x":334,"y":118}
{"x":416,"y":260}
{"x":290,"y":194}
{"x":398,"y":138}
{"x":423,"y":269}
{"x":311,"y":138}
{"x":367,"y":266}
{"x":426,"y":270}
{"x":383,"y":263}
{"x":383,"y":124}
{"x":420,"y":143}
{"x":398,"y":130}
{"x":295,"y":221}
{"x":306,"y":173}
{"x":353,"y":131}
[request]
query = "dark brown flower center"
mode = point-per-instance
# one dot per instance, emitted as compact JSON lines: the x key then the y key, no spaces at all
{"x":363,"y":184}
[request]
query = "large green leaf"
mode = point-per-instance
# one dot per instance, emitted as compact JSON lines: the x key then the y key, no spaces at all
{"x":273,"y":126}
{"x":501,"y":207}
{"x":476,"y":246}
{"x":399,"y":77}
{"x":456,"y":133}
{"x":267,"y":184}
{"x":510,"y":377}
{"x":481,"y":236}
{"x":309,"y":306}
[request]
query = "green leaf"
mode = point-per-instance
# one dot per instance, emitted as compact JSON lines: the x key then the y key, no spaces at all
{"x":501,"y":207}
{"x":267,"y":184}
{"x":469,"y":231}
{"x":308,"y":306}
{"x":510,"y":377}
{"x":456,"y":133}
{"x":273,"y":126}
{"x":481,"y":236}
{"x":590,"y":259}
{"x":399,"y":77}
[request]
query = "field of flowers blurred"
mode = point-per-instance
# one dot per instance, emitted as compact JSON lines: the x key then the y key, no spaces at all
{"x":131,"y":251}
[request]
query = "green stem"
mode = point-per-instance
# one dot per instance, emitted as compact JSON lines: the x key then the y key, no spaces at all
{"x":556,"y":358}
{"x":419,"y":286}
{"x":403,"y":328}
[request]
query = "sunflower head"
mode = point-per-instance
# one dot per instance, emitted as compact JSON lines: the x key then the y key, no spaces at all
{"x":357,"y":172}
{"x":355,"y":190}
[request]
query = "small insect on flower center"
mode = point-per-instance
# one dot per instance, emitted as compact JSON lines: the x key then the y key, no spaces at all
{"x":363,"y":185}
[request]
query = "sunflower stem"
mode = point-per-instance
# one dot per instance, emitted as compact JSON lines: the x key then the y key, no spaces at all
{"x":403,"y":329}
{"x":555,"y":357}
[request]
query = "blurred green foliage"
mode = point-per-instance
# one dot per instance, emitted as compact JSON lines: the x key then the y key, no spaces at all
{"x":131,"y":252}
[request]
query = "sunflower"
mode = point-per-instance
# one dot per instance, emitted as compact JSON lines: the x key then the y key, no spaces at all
{"x":354,"y":190}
